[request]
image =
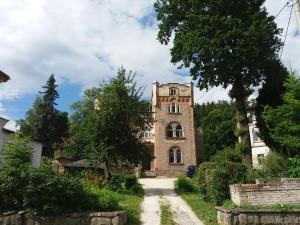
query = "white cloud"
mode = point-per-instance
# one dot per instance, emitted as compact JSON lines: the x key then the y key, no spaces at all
{"x":84,"y":41}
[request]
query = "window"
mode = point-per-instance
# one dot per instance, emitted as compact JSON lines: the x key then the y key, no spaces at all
{"x":171,"y":156}
{"x":260,"y":157}
{"x":255,"y":134}
{"x":174,"y":108}
{"x":173,"y":92}
{"x":148,"y":134}
{"x":175,"y":155}
{"x":169,"y":131}
{"x":174,"y":130}
{"x":179,"y":131}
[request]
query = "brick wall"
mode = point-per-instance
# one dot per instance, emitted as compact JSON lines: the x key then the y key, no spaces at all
{"x":286,"y":191}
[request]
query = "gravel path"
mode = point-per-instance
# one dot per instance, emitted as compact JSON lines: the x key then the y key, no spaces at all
{"x":157,"y":190}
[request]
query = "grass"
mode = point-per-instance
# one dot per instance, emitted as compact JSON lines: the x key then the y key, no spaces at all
{"x":130,"y":202}
{"x":166,"y":214}
{"x":204,"y":210}
{"x":275,"y":208}
{"x":187,"y":189}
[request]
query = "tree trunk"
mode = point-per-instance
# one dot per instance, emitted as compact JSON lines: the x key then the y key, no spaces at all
{"x":107,"y":172}
{"x":242,"y":123}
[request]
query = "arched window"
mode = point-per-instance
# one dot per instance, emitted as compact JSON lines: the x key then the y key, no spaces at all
{"x":175,"y":155}
{"x":179,"y":131}
{"x":169,"y":131}
{"x":174,"y":130}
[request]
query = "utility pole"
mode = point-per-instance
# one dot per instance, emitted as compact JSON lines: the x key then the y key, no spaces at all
{"x":296,"y":4}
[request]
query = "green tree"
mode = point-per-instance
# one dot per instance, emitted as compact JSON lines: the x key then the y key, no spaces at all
{"x":44,"y":122}
{"x":270,"y":94}
{"x":111,"y":131}
{"x":223,"y":43}
{"x":283,"y":121}
{"x":217,"y":123}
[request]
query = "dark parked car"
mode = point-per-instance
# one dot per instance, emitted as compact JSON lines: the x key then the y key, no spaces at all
{"x":190,"y":171}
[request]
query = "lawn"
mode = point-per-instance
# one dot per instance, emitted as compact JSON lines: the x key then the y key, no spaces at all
{"x":204,"y":210}
{"x":130,"y":203}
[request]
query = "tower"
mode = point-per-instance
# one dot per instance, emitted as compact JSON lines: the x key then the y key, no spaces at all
{"x":174,"y":133}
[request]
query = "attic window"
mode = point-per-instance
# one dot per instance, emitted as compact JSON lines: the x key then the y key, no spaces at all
{"x":173,"y":92}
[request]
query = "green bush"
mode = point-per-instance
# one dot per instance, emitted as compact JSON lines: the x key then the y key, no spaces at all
{"x":40,"y":190}
{"x":100,"y":199}
{"x":274,"y":166}
{"x":214,"y":179}
{"x":116,"y":181}
{"x":184,"y":184}
{"x":130,"y":181}
{"x":293,"y":168}
{"x":119,"y":181}
{"x":227,"y":154}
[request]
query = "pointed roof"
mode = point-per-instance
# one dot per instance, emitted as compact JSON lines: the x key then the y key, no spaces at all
{"x":3,"y":77}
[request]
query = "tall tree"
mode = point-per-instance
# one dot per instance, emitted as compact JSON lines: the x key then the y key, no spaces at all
{"x":270,"y":94}
{"x":227,"y":43}
{"x":216,"y":120}
{"x":111,"y":131}
{"x":44,"y":122}
{"x":283,"y":121}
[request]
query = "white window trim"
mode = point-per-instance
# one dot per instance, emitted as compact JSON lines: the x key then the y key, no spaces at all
{"x":177,"y":108}
{"x":175,"y":150}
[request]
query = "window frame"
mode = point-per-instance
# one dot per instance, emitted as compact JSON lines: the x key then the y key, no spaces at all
{"x":175,"y":156}
{"x":173,"y":92}
{"x":174,"y":108}
{"x":172,"y":128}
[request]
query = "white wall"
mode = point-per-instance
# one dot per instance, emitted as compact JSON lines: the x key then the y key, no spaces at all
{"x":36,"y":146}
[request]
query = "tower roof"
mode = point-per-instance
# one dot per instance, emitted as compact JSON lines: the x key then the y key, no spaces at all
{"x":3,"y":77}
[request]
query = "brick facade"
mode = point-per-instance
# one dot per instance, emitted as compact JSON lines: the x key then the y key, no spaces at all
{"x":182,"y":141}
{"x":287,"y":191}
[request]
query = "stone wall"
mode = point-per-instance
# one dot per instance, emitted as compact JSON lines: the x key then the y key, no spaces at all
{"x":257,"y":217}
{"x":97,"y":218}
{"x":287,"y":191}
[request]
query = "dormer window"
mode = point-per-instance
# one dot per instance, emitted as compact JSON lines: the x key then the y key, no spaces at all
{"x":174,"y":108}
{"x":173,"y":92}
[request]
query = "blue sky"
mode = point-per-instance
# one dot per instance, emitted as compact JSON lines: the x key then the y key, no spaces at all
{"x":83,"y":42}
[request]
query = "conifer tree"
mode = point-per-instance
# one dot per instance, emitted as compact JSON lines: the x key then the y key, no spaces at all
{"x":44,"y":122}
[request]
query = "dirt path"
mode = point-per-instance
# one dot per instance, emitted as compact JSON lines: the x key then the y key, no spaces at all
{"x":157,"y":190}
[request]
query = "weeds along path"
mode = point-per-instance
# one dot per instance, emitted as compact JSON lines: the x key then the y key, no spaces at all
{"x":162,"y":190}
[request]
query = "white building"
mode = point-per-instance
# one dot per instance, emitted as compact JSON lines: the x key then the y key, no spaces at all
{"x":5,"y":135}
{"x":259,"y":148}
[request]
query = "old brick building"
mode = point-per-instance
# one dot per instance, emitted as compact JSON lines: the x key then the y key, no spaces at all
{"x":172,"y":136}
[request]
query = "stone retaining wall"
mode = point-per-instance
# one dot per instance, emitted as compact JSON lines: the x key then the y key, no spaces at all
{"x":287,"y":191}
{"x":96,"y":218}
{"x":257,"y":217}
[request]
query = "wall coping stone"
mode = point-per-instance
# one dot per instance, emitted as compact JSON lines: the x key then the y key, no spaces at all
{"x":237,"y":211}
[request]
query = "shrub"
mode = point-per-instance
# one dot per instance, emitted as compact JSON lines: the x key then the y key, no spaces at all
{"x":40,"y":190}
{"x":48,"y":193}
{"x":227,"y":154}
{"x":130,"y":181}
{"x":184,"y":184}
{"x":293,"y":168}
{"x":100,"y":199}
{"x":274,"y":166}
{"x":214,"y":179}
{"x":121,"y":180}
{"x":116,"y":181}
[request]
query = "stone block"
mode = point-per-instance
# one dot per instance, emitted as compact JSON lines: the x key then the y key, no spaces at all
{"x":243,"y":219}
{"x":101,"y":221}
